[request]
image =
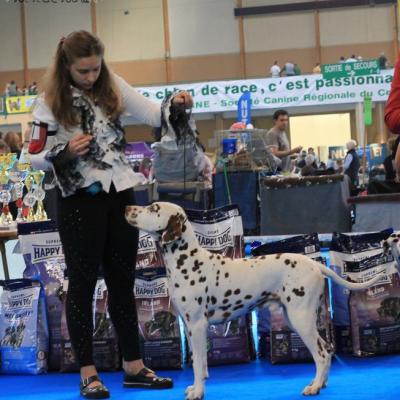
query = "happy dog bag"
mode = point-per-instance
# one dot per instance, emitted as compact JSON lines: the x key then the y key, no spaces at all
{"x":221,"y":231}
{"x":44,"y":259}
{"x":105,"y":344}
{"x":375,"y":312}
{"x":273,"y":329}
{"x":24,"y":338}
{"x":347,"y":248}
{"x":158,"y":322}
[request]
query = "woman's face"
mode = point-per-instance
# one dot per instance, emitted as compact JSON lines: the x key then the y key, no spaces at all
{"x":85,"y":71}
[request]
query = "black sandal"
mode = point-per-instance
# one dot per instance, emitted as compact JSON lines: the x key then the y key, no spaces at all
{"x":141,"y":380}
{"x":96,"y":392}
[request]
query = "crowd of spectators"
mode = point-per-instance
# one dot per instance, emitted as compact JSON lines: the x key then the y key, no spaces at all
{"x":12,"y":89}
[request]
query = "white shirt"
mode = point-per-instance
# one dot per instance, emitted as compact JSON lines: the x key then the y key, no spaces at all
{"x":110,"y":164}
{"x":275,"y":71}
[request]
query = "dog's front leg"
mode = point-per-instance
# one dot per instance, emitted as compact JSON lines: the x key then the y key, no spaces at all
{"x":197,"y":331}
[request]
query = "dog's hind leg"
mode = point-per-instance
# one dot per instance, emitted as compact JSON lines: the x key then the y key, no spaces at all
{"x":197,"y":332}
{"x":305,"y":324}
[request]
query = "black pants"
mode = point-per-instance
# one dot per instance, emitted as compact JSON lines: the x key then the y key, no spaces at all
{"x":94,"y":233}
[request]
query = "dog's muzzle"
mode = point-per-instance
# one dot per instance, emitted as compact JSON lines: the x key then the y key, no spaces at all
{"x":131,"y":214}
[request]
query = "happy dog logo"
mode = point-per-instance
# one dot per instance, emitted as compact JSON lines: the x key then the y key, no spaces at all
{"x":156,"y":288}
{"x":20,"y":302}
{"x":146,"y":244}
{"x":42,"y":252}
{"x":215,"y":240}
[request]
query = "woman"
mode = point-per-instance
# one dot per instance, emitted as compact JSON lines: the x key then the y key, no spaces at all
{"x":13,"y":139}
{"x":77,"y":133}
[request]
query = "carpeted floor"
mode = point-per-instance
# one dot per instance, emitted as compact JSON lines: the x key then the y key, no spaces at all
{"x":350,"y":379}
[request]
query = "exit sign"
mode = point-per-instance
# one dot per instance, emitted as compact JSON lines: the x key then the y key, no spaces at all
{"x":349,"y":69}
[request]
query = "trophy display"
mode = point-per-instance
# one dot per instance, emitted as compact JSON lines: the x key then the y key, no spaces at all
{"x":18,"y":176}
{"x":29,"y":199}
{"x":14,"y":178}
{"x":39,"y":195}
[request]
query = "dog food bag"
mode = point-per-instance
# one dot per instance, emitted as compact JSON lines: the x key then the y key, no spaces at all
{"x":44,"y":259}
{"x":375,"y":312}
{"x":24,"y":336}
{"x":149,"y":253}
{"x":161,"y":339}
{"x":286,"y":345}
{"x":221,"y":231}
{"x":348,"y":248}
{"x":105,"y":343}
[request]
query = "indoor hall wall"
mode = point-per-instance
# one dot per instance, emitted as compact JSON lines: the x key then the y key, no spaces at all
{"x":47,"y":23}
{"x":11,"y":39}
{"x":202,"y":27}
{"x":131,"y":29}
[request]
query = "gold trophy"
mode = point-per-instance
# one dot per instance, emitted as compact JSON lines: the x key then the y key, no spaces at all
{"x":5,"y":197}
{"x":17,"y":176}
{"x":39,"y":194}
{"x":29,"y":199}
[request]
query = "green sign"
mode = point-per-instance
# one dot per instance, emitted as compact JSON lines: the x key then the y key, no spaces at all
{"x":350,"y":69}
{"x":367,"y":110}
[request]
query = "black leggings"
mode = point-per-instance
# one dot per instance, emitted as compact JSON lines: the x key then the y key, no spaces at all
{"x":94,"y":232}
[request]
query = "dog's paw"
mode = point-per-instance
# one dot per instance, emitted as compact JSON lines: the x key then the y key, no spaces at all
{"x":192,"y":393}
{"x":311,"y":390}
{"x":189,"y":389}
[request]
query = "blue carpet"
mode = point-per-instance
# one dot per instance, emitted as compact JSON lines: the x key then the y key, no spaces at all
{"x":350,"y":379}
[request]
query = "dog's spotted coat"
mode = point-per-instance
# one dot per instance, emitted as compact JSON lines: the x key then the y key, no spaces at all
{"x":208,"y":288}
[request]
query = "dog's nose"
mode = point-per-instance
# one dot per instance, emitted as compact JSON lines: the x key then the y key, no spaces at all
{"x":130,"y":209}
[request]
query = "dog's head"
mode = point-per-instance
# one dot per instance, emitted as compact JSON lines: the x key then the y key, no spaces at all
{"x":166,"y":219}
{"x":392,"y":243}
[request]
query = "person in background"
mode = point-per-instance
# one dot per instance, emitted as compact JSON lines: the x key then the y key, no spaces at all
{"x":342,"y":60}
{"x":389,"y":161}
{"x":309,"y":169}
{"x":288,"y":68}
{"x":382,"y":61}
{"x":353,"y":58}
{"x":351,"y":163}
{"x":4,"y":149}
{"x":317,"y":69}
{"x":33,"y":90}
{"x":77,"y":133}
{"x":275,"y":70}
{"x":277,"y":140}
{"x":297,"y":70}
{"x":392,"y":108}
{"x":301,"y":159}
{"x":14,"y":142}
{"x":11,"y":89}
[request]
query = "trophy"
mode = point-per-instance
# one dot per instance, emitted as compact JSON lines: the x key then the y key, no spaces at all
{"x":39,"y":195}
{"x":5,"y":197}
{"x":18,"y":176}
{"x":29,"y":199}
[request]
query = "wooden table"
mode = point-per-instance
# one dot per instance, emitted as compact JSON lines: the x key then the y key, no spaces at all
{"x":6,"y":235}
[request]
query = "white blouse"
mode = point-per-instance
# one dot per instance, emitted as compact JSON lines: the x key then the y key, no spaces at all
{"x":106,"y":162}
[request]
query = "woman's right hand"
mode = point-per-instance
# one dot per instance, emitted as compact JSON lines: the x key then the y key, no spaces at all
{"x":79,"y":145}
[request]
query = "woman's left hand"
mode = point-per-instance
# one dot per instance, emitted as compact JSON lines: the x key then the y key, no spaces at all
{"x":183,"y":98}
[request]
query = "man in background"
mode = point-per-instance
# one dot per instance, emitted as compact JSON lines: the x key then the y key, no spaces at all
{"x":277,"y":139}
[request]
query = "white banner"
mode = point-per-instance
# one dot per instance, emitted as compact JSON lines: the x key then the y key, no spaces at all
{"x":297,"y":91}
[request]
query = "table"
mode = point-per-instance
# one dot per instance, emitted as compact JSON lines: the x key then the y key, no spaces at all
{"x":376,"y":212}
{"x":309,"y":204}
{"x":6,"y":235}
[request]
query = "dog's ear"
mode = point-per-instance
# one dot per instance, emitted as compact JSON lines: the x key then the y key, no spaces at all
{"x":174,"y":229}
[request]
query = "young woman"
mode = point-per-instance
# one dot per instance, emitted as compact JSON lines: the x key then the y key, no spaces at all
{"x":77,"y":133}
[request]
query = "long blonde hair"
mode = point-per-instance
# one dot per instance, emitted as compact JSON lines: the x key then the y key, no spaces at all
{"x":57,"y":87}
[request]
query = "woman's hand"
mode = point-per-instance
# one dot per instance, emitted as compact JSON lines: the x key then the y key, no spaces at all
{"x":183,"y":98}
{"x":79,"y":145}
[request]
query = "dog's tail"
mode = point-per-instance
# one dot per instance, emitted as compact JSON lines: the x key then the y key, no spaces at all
{"x":348,"y":284}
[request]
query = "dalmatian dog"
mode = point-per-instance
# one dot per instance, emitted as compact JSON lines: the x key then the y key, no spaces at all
{"x":392,"y":243}
{"x":207,"y":288}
